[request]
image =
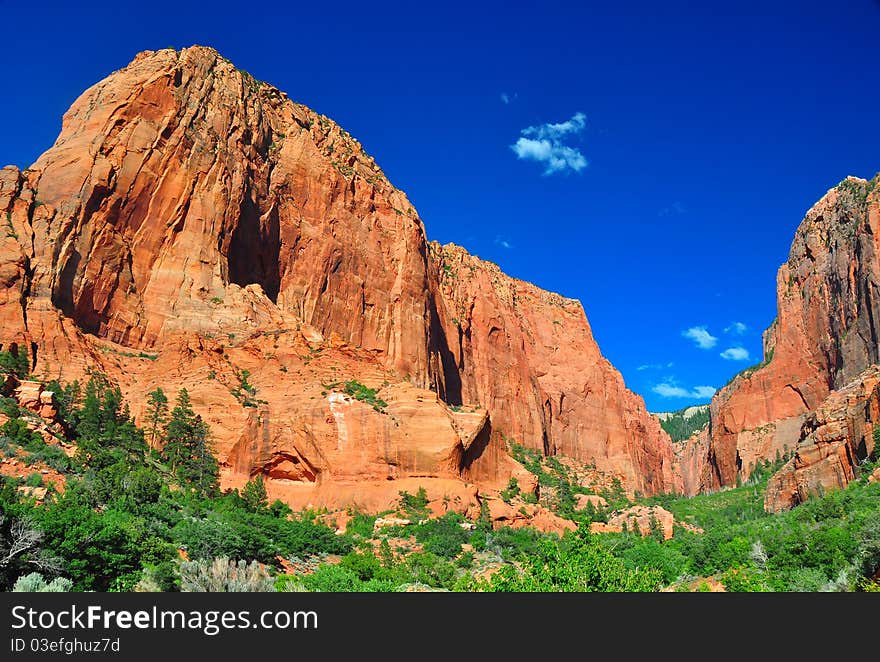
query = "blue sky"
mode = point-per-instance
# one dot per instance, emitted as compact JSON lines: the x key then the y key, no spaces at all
{"x":652,"y":159}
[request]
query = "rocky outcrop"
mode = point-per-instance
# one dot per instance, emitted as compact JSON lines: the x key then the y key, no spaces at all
{"x":691,"y":456}
{"x":834,"y":440}
{"x":192,"y":226}
{"x":530,"y":356}
{"x":34,"y":397}
{"x":824,"y":336}
{"x":640,"y":519}
{"x":528,"y":515}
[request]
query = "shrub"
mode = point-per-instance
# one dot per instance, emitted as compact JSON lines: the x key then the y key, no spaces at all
{"x":360,"y":392}
{"x":443,"y":536}
{"x":414,"y":505}
{"x":576,"y":563}
{"x":332,"y":579}
{"x":512,"y":490}
{"x":34,"y":480}
{"x":34,"y":583}
{"x":222,"y":575}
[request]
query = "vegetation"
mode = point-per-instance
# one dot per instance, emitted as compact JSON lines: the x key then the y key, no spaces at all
{"x":245,"y":392}
{"x":746,"y":372}
{"x":681,"y":424}
{"x":127,"y":509}
{"x":360,"y":392}
{"x":15,"y":362}
{"x":34,"y":583}
{"x":225,"y":576}
{"x":577,"y":562}
{"x":151,"y":517}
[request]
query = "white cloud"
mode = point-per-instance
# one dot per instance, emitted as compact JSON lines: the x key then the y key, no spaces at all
{"x":504,"y":98}
{"x":544,"y":143}
{"x":674,"y":209}
{"x":655,"y":366}
{"x":667,"y":390}
{"x":735,"y":354}
{"x":737,"y":328}
{"x":557,"y":131}
{"x":503,"y":242}
{"x":701,"y":337}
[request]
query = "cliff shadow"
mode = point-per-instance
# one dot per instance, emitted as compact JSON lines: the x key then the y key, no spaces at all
{"x":254,"y":249}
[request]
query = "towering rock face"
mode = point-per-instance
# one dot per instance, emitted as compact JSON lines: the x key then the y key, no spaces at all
{"x":825,"y":336}
{"x":833,"y":441}
{"x":530,"y":357}
{"x":194,"y":227}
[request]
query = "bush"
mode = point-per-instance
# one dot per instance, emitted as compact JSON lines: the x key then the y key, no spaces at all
{"x":222,"y":575}
{"x":415,"y":506}
{"x":332,"y":579}
{"x":443,"y":536}
{"x":360,"y":392}
{"x":648,"y":553}
{"x":34,"y":480}
{"x":577,"y":563}
{"x":34,"y":583}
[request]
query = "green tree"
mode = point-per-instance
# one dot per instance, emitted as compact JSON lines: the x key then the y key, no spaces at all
{"x":105,"y":433}
{"x":187,"y":449}
{"x":15,"y":362}
{"x":66,"y":400}
{"x":254,"y":494}
{"x":655,"y":529}
{"x":157,"y":413}
{"x":576,"y":563}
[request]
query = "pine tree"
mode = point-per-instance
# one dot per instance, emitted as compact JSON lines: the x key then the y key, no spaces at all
{"x":15,"y":362}
{"x":254,"y":494}
{"x":656,"y":529}
{"x":157,"y":413}
{"x":187,"y":449}
{"x":88,"y":425}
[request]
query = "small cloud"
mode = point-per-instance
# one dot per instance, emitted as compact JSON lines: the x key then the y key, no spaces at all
{"x":544,"y":143}
{"x":505,"y":99}
{"x":737,"y":328}
{"x":503,"y":242}
{"x":675,"y":209}
{"x":701,"y":337}
{"x":667,"y":390}
{"x":735,"y":354}
{"x":655,"y":366}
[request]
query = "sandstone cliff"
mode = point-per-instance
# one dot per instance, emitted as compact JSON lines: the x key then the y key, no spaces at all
{"x":835,"y":438}
{"x":192,"y":226}
{"x":824,"y":336}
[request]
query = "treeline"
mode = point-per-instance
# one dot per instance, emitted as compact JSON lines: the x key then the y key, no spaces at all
{"x":680,"y":425}
{"x":130,"y":511}
{"x":141,"y":510}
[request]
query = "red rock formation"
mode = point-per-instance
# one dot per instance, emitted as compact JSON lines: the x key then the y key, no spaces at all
{"x":637,"y":518}
{"x":530,"y":515}
{"x":191,"y":223}
{"x":825,"y":335}
{"x":691,"y":455}
{"x":834,"y":438}
{"x":530,"y":356}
